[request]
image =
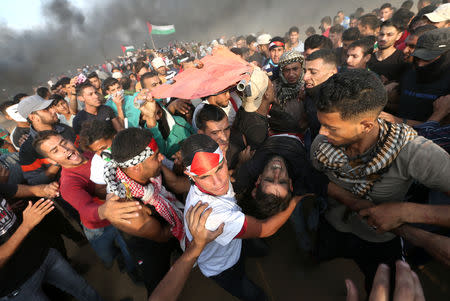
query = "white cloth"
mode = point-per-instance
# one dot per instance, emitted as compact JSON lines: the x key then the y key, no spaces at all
{"x":224,"y":252}
{"x":229,"y":110}
{"x":97,"y":167}
{"x":64,"y":120}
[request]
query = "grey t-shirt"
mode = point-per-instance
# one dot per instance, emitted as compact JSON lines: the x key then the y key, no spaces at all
{"x":420,"y":160}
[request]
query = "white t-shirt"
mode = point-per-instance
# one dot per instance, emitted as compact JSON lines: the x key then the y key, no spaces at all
{"x":224,"y":252}
{"x":97,"y":170}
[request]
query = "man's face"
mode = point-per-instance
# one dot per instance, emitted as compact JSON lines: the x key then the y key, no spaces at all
{"x":292,"y":72}
{"x":336,"y":39}
{"x":365,"y":30}
{"x":386,"y":13}
{"x":90,"y":97}
{"x":293,"y":37}
{"x":346,"y":44}
{"x":240,"y":43}
{"x":410,"y":46}
{"x":162,"y":70}
{"x":62,"y":151}
{"x":151,"y":167}
{"x":275,"y":178}
{"x":215,"y":181}
{"x":218,"y":131}
{"x":275,"y":54}
{"x":309,"y":51}
{"x":114,"y":89}
{"x":142,"y":71}
{"x":62,"y":107}
{"x":387,"y":37}
{"x":338,"y":131}
{"x":222,"y":100}
{"x":100,"y":145}
{"x":95,"y":81}
{"x":47,"y":116}
{"x":317,"y":72}
{"x":264,"y":48}
{"x":253,"y":46}
{"x":356,"y":58}
{"x":354,"y":23}
{"x":66,"y":89}
{"x":151,"y":83}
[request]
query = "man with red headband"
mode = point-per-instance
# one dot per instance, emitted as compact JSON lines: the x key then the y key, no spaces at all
{"x":276,"y":49}
{"x":223,"y":259}
{"x":134,"y":174}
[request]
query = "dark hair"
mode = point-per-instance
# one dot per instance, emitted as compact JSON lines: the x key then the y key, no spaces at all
{"x":277,"y":39}
{"x":56,"y":99}
{"x":42,"y":92}
{"x":63,"y":81}
{"x":401,"y":18}
{"x":423,"y":29}
{"x":250,"y":39}
{"x":338,"y":28}
{"x":209,"y":113}
{"x":390,"y":23}
{"x":370,"y":21}
{"x":408,"y":4}
{"x":41,"y":138}
{"x":366,"y":45}
{"x":293,"y":29}
{"x":93,"y":74}
{"x":359,"y":11}
{"x":147,"y":75}
{"x":107,"y":83}
{"x":125,"y":82}
{"x":318,"y":41}
{"x":352,"y":93}
{"x":351,"y":34}
{"x":386,"y":5}
{"x":129,"y":143}
{"x":80,"y":88}
{"x":19,"y":96}
{"x":310,"y":30}
{"x":327,"y":55}
{"x":239,"y":38}
{"x":196,"y":143}
{"x":267,"y":204}
{"x":6,"y":105}
{"x":326,"y":20}
{"x":139,"y":65}
{"x":93,"y":130}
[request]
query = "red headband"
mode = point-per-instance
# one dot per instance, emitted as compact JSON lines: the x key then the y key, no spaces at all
{"x":204,"y":162}
{"x":276,"y":44}
{"x":153,"y":145}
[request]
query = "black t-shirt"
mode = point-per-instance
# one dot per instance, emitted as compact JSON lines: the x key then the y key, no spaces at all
{"x":253,"y":126}
{"x":17,"y":133}
{"x":31,"y":253}
{"x":258,"y":57}
{"x":104,"y":113}
{"x":392,"y":67}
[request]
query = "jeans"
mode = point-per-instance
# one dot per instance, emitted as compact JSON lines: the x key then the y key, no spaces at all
{"x":56,"y":271}
{"x":235,"y":281}
{"x":107,"y":243}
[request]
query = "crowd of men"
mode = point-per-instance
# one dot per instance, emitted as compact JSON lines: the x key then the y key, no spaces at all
{"x":346,"y":134}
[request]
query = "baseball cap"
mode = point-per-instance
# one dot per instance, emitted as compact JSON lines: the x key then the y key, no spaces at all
{"x":32,"y":104}
{"x":440,"y":14}
{"x":432,"y":44}
{"x":258,"y":85}
{"x":158,"y":62}
{"x":263,"y":39}
{"x":14,"y":114}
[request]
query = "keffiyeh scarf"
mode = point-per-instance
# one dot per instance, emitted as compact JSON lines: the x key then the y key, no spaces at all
{"x":286,"y":91}
{"x":392,"y":138}
{"x":154,"y":193}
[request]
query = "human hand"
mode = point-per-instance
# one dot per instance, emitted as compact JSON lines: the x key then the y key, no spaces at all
{"x":246,"y":154}
{"x":23,"y":138}
{"x":48,"y":190}
{"x":389,"y":117}
{"x":34,"y":213}
{"x":73,"y":82}
{"x":296,"y":199}
{"x":442,"y":105}
{"x":4,"y":174}
{"x":179,"y":105}
{"x":117,"y":212}
{"x":269,"y":95}
{"x":118,"y":98}
{"x":196,"y":219}
{"x":384,"y":217}
{"x":407,"y":285}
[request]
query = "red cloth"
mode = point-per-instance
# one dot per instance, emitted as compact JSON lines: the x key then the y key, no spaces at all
{"x":220,"y":70}
{"x":400,"y":44}
{"x":327,"y":33}
{"x":79,"y":191}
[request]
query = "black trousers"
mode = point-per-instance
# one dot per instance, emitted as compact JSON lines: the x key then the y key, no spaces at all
{"x":367,"y":255}
{"x":235,"y":281}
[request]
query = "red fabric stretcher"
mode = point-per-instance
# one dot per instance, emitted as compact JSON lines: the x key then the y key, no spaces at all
{"x":220,"y":70}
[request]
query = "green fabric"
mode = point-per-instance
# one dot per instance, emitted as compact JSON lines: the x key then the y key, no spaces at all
{"x":180,"y":131}
{"x":129,"y":110}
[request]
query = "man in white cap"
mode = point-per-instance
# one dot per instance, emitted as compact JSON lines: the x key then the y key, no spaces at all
{"x":160,"y":67}
{"x":440,"y":17}
{"x":39,"y":113}
{"x":9,"y":111}
{"x":263,"y":44}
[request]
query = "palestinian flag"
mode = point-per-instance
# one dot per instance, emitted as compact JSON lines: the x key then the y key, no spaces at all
{"x":127,"y":48}
{"x":160,"y":29}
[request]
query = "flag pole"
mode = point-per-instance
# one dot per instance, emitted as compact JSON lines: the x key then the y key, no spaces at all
{"x":151,"y":37}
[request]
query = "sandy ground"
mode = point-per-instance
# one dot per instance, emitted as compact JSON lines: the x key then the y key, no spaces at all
{"x":285,"y":274}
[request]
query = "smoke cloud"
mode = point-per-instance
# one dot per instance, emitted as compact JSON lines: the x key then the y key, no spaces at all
{"x":71,"y":37}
